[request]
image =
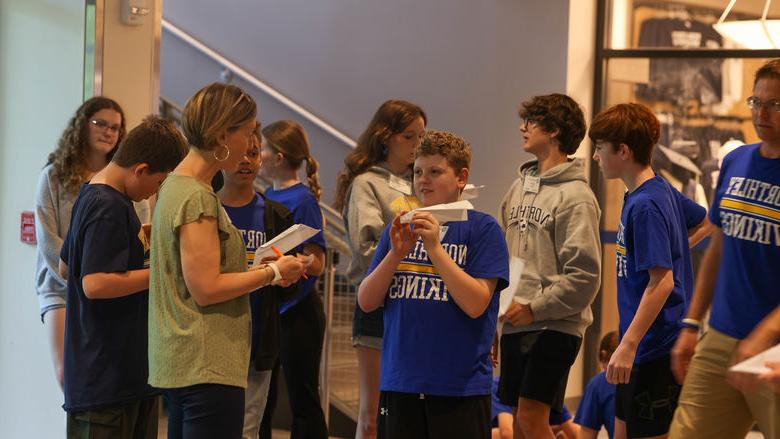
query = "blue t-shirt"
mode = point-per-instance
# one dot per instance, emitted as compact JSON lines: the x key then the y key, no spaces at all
{"x":105,"y":339}
{"x":597,"y":407}
{"x":430,"y":345}
{"x":746,"y":207}
{"x":498,"y":407}
{"x":248,"y":219}
{"x":653,"y":232}
{"x":299,"y":200}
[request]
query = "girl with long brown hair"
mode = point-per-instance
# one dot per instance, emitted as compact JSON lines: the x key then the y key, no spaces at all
{"x":374,"y":187}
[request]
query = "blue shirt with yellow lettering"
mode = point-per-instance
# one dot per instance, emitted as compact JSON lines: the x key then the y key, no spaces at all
{"x":653,"y":233}
{"x":430,"y":345}
{"x":746,"y":207}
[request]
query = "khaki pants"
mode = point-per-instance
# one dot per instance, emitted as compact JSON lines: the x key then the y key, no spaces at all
{"x":710,"y":408}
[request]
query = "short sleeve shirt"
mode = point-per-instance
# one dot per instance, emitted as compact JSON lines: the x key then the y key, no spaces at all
{"x":191,"y":344}
{"x":105,"y":339}
{"x":430,"y":345}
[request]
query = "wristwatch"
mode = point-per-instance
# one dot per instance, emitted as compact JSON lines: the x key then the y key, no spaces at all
{"x":277,"y":273}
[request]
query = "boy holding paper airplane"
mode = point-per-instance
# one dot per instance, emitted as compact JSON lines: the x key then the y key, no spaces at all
{"x":551,"y":220}
{"x":439,"y":284}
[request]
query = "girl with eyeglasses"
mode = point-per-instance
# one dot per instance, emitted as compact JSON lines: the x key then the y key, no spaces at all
{"x":199,"y":313}
{"x":85,"y":147}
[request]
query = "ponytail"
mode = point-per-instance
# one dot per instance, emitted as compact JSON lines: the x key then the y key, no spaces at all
{"x":313,"y":177}
{"x":289,"y":138}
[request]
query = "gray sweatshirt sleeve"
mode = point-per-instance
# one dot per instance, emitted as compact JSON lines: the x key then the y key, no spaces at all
{"x":579,"y":255}
{"x":365,"y":224}
{"x":50,"y":287}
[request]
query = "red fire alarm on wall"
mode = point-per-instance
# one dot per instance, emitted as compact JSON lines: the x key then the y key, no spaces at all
{"x":28,"y":228}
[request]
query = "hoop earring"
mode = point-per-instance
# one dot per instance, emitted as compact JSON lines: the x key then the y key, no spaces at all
{"x":226,"y":155}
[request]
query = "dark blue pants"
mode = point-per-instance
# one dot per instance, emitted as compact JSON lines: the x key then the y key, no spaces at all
{"x":205,"y":411}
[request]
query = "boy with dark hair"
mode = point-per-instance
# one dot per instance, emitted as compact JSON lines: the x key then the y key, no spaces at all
{"x":551,"y":219}
{"x":439,"y":285}
{"x":105,"y":256}
{"x":654,"y":271}
{"x":740,"y":278}
{"x":597,"y":407}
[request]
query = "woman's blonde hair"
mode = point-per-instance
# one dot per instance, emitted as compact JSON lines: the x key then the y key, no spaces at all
{"x":70,"y":158}
{"x":214,"y":108}
{"x":391,"y":118}
{"x":288,"y":138}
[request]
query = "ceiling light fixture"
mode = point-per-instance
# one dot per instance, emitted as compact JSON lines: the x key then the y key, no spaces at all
{"x":750,"y":34}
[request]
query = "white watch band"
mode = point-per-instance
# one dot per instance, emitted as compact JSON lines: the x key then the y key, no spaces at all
{"x":277,"y":273}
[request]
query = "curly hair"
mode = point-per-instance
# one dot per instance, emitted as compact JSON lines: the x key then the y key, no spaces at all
{"x":70,"y":158}
{"x":557,"y":112}
{"x":289,"y":138}
{"x":450,"y":146}
{"x":391,"y":118}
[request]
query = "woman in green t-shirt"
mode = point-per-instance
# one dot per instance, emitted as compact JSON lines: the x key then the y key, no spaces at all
{"x":199,"y":321}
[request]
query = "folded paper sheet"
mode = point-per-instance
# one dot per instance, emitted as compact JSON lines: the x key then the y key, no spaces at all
{"x":755,"y":364}
{"x":516,"y":266}
{"x":457,"y":211}
{"x":285,"y":241}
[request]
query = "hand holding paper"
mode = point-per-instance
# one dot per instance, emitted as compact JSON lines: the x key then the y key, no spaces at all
{"x":284,"y":242}
{"x":756,"y":364}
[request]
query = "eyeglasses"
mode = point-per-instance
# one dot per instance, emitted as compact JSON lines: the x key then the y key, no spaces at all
{"x":528,"y":124}
{"x":104,"y":126}
{"x":755,"y":104}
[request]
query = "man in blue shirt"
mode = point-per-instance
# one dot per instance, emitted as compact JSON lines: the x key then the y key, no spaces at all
{"x":740,"y":278}
{"x":654,"y":270}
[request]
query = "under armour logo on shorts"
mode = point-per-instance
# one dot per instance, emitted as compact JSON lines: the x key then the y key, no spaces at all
{"x":383,"y":411}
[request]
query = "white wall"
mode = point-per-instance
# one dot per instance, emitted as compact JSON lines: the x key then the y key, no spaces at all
{"x":41,"y":52}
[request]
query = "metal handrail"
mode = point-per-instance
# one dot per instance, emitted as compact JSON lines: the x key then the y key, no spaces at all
{"x":257,"y":82}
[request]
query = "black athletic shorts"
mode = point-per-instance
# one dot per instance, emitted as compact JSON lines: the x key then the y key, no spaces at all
{"x":647,"y":403}
{"x":535,"y":365}
{"x":417,"y":416}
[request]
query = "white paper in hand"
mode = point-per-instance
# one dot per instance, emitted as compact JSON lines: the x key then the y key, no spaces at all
{"x":516,"y":266}
{"x":755,"y":364}
{"x":470,"y":191}
{"x":285,"y":241}
{"x":457,"y":211}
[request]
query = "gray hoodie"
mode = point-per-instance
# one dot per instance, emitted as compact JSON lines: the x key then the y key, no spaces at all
{"x":555,"y":231}
{"x":373,"y":200}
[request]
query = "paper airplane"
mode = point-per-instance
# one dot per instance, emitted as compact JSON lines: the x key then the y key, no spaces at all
{"x":755,"y":364}
{"x":285,"y":241}
{"x":457,"y":211}
{"x":470,"y":191}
